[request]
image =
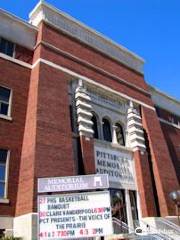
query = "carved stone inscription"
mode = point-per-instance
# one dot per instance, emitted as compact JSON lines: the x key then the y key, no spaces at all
{"x":118,"y":165}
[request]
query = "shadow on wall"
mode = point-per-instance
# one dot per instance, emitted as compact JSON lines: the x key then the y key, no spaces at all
{"x":172,"y":137}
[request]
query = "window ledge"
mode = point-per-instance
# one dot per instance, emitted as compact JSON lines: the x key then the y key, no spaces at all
{"x":6,"y":117}
{"x":4,"y":200}
{"x":113,"y":145}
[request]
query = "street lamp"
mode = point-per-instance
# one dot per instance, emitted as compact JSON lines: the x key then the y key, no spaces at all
{"x":175,"y":197}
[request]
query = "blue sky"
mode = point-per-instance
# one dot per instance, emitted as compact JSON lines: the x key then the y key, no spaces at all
{"x":150,"y":28}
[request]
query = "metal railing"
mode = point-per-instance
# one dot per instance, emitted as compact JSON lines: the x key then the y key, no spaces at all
{"x":156,"y":231}
{"x":120,"y":226}
{"x":165,"y":230}
{"x":170,"y":224}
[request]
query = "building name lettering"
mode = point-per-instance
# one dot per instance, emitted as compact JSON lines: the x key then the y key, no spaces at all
{"x":119,"y":166}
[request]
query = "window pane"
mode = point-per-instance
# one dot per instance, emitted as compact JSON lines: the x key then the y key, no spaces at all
{"x":95,"y":127}
{"x":4,"y":94}
{"x":119,"y":134}
{"x":6,"y":47}
{"x":2,"y":45}
{"x":2,"y":172}
{"x":2,"y":188}
{"x":9,"y":49}
{"x":3,"y":156}
{"x":72,"y":118}
{"x":118,"y":204}
{"x":107,"y":130}
{"x":4,"y":108}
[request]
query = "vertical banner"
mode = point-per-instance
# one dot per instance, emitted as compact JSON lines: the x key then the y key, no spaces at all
{"x":77,"y":215}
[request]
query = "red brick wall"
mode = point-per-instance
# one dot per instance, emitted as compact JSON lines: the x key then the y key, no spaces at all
{"x":90,"y":55}
{"x":164,"y":173}
{"x":47,"y":146}
{"x":26,"y":178}
{"x":164,"y":181}
{"x":168,"y":116}
{"x":80,"y":51}
{"x":172,"y":136}
{"x":23,"y":54}
{"x":144,"y":183}
{"x":93,"y":74}
{"x":16,"y":78}
{"x":87,"y":147}
{"x":46,"y":137}
{"x":54,"y":136}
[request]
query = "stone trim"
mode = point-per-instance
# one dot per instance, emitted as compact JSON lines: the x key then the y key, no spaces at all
{"x":4,"y":200}
{"x":135,"y":130}
{"x":88,"y":80}
{"x":16,"y":61}
{"x":162,"y":100}
{"x":84,"y":109}
{"x":49,"y":14}
{"x":90,"y":65}
{"x":16,"y":30}
{"x":168,"y":123}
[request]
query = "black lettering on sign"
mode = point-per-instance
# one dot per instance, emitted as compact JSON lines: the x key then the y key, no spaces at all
{"x":51,"y":200}
{"x":60,"y":226}
{"x":95,"y":217}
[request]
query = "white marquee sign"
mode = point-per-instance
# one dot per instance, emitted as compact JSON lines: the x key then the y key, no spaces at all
{"x":78,"y":215}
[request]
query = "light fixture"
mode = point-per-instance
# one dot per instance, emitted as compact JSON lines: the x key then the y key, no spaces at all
{"x":175,"y":197}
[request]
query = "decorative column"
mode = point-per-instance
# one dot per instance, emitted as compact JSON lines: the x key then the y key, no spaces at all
{"x":84,"y":109}
{"x":114,"y":136}
{"x":143,"y":176}
{"x":84,"y":115}
{"x":135,"y":130}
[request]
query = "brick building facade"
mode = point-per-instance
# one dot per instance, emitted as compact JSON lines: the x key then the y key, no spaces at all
{"x":71,"y":101}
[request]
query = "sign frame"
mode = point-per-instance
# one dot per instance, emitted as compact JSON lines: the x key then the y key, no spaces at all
{"x":74,"y":194}
{"x":84,"y":182}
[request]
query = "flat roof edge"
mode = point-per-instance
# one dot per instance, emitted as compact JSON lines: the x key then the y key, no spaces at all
{"x":160,"y":92}
{"x":18,"y":19}
{"x":136,"y":61}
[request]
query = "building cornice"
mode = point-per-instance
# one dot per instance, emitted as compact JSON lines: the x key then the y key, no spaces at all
{"x":64,"y":22}
{"x":17,"y":19}
{"x":164,"y":101}
{"x":164,"y":94}
{"x":16,"y":30}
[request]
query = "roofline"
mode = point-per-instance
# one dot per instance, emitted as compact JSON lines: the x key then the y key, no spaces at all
{"x":164,"y":94}
{"x":18,"y":19}
{"x":72,"y":19}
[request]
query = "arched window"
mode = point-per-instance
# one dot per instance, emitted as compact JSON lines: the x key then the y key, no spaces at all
{"x":95,"y":126}
{"x":119,"y":134}
{"x":106,"y":130}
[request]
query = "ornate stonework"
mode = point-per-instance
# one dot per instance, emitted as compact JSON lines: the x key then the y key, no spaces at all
{"x":135,"y":131}
{"x":84,"y":109}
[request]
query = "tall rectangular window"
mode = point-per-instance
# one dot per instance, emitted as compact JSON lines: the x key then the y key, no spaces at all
{"x":5,"y":95}
{"x":6,"y":47}
{"x":3,"y":172}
